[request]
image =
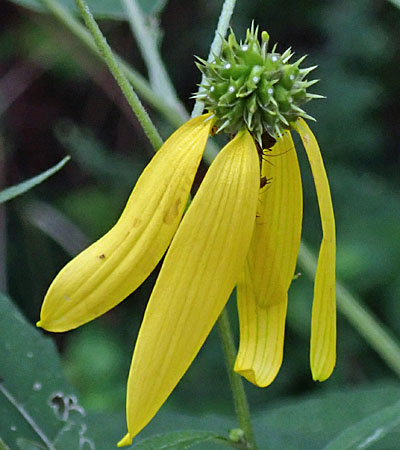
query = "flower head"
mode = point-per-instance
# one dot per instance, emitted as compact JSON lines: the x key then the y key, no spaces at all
{"x":240,"y":230}
{"x":247,"y":86}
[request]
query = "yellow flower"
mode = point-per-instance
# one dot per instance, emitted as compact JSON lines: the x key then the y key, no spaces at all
{"x":233,"y":233}
{"x":242,"y":229}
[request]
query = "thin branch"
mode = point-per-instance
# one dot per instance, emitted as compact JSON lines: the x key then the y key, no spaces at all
{"x":236,"y":381}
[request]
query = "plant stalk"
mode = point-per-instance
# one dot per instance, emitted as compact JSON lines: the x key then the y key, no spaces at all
{"x":215,"y":49}
{"x":147,"y":42}
{"x":236,"y":382}
{"x":113,"y":65}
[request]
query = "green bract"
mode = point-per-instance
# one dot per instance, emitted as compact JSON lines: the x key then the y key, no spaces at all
{"x":247,"y":86}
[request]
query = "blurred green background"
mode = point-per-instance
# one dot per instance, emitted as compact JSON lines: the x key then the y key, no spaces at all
{"x":57,"y":99}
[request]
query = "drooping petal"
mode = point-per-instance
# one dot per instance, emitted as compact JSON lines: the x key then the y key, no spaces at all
{"x":271,"y":262}
{"x":323,"y":324}
{"x":109,"y":270}
{"x":262,"y":330}
{"x":199,"y":273}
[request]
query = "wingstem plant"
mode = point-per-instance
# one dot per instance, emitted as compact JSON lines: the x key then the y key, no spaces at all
{"x":370,"y":329}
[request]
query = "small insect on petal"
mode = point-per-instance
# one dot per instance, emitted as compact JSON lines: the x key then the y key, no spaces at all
{"x":264,"y":283}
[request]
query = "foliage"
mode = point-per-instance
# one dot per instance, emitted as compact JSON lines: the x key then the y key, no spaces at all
{"x":15,"y":191}
{"x":40,"y":410}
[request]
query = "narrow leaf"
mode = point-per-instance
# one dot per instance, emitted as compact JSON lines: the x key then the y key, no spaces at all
{"x":367,"y":432}
{"x":19,"y":189}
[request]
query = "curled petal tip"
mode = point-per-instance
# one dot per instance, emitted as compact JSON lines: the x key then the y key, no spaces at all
{"x":252,"y":377}
{"x":39,"y":324}
{"x":126,"y":440}
{"x":246,"y":373}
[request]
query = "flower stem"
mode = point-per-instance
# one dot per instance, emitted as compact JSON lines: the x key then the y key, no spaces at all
{"x":119,"y":76}
{"x":220,"y":32}
{"x":239,"y":394}
{"x":363,"y":320}
{"x":138,"y":82}
{"x":146,"y":40}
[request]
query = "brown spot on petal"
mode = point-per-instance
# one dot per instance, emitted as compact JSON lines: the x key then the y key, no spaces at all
{"x":102,"y":256}
{"x":171,"y":213}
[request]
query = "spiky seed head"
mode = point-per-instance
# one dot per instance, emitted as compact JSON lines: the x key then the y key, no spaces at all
{"x":247,"y":86}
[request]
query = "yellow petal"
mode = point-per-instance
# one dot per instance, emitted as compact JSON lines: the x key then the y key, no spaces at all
{"x":271,"y":262}
{"x":199,"y":273}
{"x":323,"y":325}
{"x":262,"y":331}
{"x":109,"y":270}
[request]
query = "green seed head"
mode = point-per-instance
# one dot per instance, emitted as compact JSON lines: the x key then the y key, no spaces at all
{"x":247,"y":86}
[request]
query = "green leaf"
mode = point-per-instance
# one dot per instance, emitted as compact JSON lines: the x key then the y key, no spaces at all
{"x":14,"y":191}
{"x":179,"y":440}
{"x":314,"y":422}
{"x":107,"y":9}
{"x":301,"y":424}
{"x":38,"y":409}
{"x":111,"y":427}
{"x":367,"y":432}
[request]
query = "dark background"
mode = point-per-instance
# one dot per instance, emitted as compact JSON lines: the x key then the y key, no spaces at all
{"x":57,"y":99}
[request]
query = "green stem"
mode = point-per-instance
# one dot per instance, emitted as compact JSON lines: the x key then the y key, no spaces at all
{"x":215,"y":49}
{"x":363,"y":320}
{"x":146,"y":40}
{"x":139,"y":83}
{"x":112,"y":63}
{"x":239,"y":394}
